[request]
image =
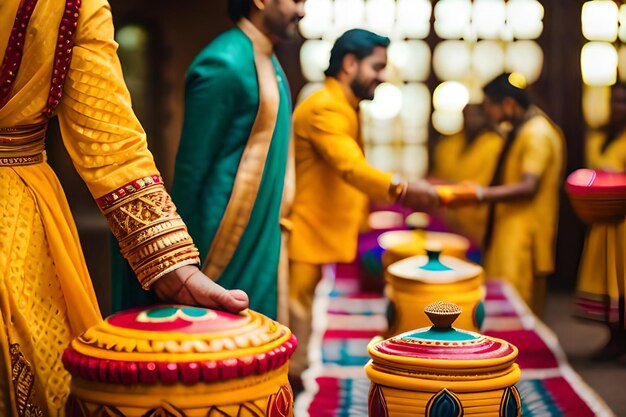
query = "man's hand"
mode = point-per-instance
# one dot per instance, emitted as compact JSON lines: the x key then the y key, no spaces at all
{"x":188,"y":285}
{"x":420,"y":195}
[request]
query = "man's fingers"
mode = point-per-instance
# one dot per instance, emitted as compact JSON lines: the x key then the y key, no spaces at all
{"x":209,"y":294}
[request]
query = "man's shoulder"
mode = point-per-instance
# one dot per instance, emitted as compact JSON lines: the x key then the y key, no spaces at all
{"x":229,"y":51}
{"x":321,"y":101}
{"x":541,"y":126}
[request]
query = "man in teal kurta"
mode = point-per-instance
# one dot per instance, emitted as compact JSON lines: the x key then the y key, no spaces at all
{"x":223,"y":88}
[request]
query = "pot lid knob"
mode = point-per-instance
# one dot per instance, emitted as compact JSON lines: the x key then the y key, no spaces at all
{"x":442,"y":314}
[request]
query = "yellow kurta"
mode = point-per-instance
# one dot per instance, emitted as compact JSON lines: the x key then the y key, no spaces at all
{"x":333,"y":183}
{"x":455,"y":160}
{"x":602,"y":273}
{"x":46,"y":296}
{"x":447,"y":157}
{"x":524,"y":232}
{"x":333,"y":178}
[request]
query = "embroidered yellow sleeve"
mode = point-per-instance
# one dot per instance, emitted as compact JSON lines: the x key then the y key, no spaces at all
{"x":109,"y":150}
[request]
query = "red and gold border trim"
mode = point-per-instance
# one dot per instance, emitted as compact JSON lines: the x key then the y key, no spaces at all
{"x":130,"y":372}
{"x":107,"y":201}
{"x":62,"y":54}
{"x":15,"y":49}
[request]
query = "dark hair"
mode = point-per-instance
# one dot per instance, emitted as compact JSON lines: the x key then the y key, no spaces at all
{"x":359,"y":42}
{"x":501,"y":87}
{"x":238,"y":9}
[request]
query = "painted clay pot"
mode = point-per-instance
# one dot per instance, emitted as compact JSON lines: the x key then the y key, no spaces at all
{"x":597,"y":196}
{"x":178,"y":361}
{"x":401,"y":244}
{"x":415,"y":282}
{"x":440,"y":371}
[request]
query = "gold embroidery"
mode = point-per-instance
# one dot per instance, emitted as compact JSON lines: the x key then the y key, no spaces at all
{"x":140,"y":210}
{"x":153,"y":238}
{"x":23,"y":383}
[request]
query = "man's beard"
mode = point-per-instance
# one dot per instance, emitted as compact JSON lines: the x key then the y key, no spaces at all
{"x":361,"y":90}
{"x":284,"y":32}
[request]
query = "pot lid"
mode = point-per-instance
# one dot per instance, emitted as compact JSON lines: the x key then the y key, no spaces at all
{"x":590,"y":181}
{"x":434,"y":268}
{"x":412,"y":242}
{"x":170,"y":343}
{"x":441,"y":347}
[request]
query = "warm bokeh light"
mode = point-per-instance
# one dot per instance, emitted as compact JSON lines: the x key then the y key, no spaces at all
{"x":415,"y":135}
{"x":314,"y":56}
{"x":348,"y":14}
{"x":450,"y":96}
{"x":525,"y":57}
{"x":383,"y":157}
{"x":599,"y":20}
{"x":622,"y":23}
{"x":414,"y":161}
{"x":596,"y":105}
{"x":380,"y":16}
{"x":411,"y":59}
{"x":413,"y":18}
{"x":447,"y":122}
{"x":415,"y":109}
{"x":452,"y":17}
{"x":524,"y":18}
{"x":318,"y":18}
{"x":487,"y":60}
{"x":383,"y":132}
{"x":452,"y":60}
{"x":387,"y":102}
{"x":598,"y":63}
{"x":488,"y":18}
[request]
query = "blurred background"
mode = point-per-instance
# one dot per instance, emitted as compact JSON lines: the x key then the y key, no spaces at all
{"x":442,"y":52}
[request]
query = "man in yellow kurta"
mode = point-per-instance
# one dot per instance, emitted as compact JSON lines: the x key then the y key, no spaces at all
{"x":469,"y":155}
{"x":602,"y":273}
{"x":333,"y":178}
{"x":524,"y":193}
{"x":60,"y":58}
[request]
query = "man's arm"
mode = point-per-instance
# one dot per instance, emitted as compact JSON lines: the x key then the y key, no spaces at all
{"x":522,"y":190}
{"x":212,"y":89}
{"x":330,"y":136}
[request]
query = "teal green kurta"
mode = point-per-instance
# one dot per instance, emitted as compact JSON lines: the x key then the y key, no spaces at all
{"x":221,"y":103}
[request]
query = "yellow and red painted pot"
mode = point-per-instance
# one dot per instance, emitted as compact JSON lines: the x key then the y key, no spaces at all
{"x":414,"y":283}
{"x":178,"y":361}
{"x":440,"y":371}
{"x":402,"y":244}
